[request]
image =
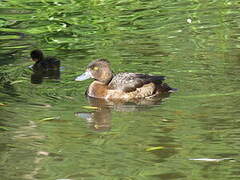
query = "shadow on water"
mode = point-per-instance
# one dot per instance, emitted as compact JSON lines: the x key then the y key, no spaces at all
{"x":6,"y":85}
{"x":40,"y":74}
{"x":100,"y":119}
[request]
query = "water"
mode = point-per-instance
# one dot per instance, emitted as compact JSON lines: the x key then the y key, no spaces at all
{"x":48,"y":130}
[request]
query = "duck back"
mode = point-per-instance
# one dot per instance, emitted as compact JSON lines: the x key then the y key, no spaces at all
{"x":128,"y":82}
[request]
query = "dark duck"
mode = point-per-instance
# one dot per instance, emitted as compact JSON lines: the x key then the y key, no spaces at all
{"x":44,"y":67}
{"x":44,"y":63}
{"x":122,"y":86}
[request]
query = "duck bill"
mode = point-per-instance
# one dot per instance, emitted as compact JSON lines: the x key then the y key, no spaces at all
{"x":84,"y":76}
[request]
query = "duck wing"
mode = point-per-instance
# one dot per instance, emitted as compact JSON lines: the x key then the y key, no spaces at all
{"x":52,"y":62}
{"x":128,"y":82}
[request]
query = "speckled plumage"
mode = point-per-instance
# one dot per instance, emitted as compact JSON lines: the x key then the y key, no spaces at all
{"x":128,"y":82}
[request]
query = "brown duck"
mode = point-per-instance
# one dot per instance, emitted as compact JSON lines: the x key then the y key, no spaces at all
{"x":122,"y":86}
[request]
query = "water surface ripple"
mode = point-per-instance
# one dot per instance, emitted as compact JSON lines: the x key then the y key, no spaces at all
{"x":52,"y":131}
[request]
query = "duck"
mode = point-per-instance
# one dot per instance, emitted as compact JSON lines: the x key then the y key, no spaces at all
{"x":124,"y":86}
{"x":44,"y":63}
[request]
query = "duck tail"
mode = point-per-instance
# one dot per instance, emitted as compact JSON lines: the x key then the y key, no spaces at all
{"x":173,"y":90}
{"x":167,"y":88}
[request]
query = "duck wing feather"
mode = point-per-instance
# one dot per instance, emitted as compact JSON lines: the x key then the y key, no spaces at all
{"x":128,"y":82}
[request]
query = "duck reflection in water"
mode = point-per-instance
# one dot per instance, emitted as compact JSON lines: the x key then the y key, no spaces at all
{"x":44,"y":67}
{"x":100,"y":119}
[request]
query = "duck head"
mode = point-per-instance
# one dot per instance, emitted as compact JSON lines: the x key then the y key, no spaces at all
{"x":98,"y":70}
{"x":36,"y":55}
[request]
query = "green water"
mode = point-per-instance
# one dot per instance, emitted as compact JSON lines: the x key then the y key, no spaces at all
{"x":194,"y":43}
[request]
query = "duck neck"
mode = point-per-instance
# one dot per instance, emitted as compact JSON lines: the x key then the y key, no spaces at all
{"x":41,"y":58}
{"x":109,"y":80}
{"x":106,"y":77}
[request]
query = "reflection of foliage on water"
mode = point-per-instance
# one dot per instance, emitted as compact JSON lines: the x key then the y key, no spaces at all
{"x":94,"y":27}
{"x":184,"y":40}
{"x":7,"y":78}
{"x":16,"y":81}
{"x":6,"y":84}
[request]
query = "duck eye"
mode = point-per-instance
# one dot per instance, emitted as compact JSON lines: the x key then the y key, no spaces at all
{"x":95,"y":68}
